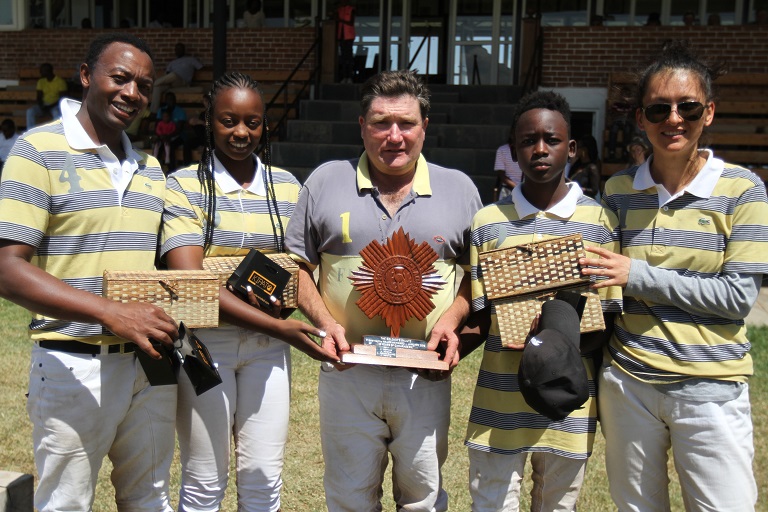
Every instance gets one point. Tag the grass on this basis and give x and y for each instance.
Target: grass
(303, 490)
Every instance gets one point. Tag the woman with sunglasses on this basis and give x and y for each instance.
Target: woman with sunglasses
(250, 203)
(694, 244)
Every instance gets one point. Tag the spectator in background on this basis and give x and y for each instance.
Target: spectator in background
(639, 150)
(654, 20)
(194, 137)
(8, 135)
(179, 119)
(586, 169)
(761, 17)
(689, 19)
(620, 114)
(254, 15)
(179, 73)
(713, 20)
(345, 35)
(508, 173)
(50, 89)
(137, 130)
(86, 23)
(164, 129)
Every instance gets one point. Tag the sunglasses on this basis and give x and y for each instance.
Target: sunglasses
(688, 110)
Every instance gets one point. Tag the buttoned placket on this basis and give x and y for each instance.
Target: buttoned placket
(660, 233)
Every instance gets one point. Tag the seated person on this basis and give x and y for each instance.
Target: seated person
(138, 130)
(164, 129)
(179, 73)
(179, 118)
(50, 89)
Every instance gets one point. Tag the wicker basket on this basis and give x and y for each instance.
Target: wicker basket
(223, 266)
(191, 296)
(515, 315)
(533, 267)
(519, 279)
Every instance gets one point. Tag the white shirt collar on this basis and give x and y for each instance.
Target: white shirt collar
(564, 209)
(228, 184)
(702, 184)
(78, 139)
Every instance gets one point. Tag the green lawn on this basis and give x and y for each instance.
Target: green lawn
(304, 464)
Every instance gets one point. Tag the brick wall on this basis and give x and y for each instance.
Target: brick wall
(270, 48)
(583, 56)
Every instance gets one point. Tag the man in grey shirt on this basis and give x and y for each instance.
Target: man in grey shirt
(179, 73)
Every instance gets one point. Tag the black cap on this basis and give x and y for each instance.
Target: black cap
(552, 377)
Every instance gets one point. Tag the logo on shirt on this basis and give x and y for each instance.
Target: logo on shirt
(438, 239)
(704, 221)
(69, 175)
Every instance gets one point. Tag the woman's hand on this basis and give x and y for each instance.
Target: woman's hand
(273, 309)
(613, 266)
(297, 334)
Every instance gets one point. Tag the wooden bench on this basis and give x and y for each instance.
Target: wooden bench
(739, 132)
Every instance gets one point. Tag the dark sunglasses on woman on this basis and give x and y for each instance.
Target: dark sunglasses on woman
(688, 110)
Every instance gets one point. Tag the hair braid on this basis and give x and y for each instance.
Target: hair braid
(269, 185)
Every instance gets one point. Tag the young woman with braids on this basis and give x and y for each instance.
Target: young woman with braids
(694, 247)
(249, 203)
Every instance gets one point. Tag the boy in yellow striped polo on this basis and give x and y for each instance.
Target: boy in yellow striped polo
(503, 429)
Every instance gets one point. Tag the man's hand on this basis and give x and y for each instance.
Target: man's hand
(445, 340)
(139, 323)
(335, 341)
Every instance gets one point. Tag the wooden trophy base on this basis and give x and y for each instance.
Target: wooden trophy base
(390, 351)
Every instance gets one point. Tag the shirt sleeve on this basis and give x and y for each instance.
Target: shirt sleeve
(728, 296)
(300, 241)
(182, 221)
(25, 195)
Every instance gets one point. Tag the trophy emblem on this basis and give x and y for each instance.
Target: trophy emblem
(396, 282)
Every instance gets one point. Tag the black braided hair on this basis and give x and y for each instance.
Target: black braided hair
(205, 169)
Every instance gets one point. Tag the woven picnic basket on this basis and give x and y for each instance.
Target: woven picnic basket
(223, 266)
(519, 279)
(191, 296)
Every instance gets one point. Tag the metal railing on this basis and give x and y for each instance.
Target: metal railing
(289, 104)
(533, 74)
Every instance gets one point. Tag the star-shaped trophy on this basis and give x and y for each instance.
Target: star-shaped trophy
(396, 282)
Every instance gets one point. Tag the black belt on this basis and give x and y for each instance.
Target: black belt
(78, 347)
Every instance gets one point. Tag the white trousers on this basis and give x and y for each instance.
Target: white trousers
(711, 444)
(84, 408)
(251, 405)
(369, 410)
(495, 480)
